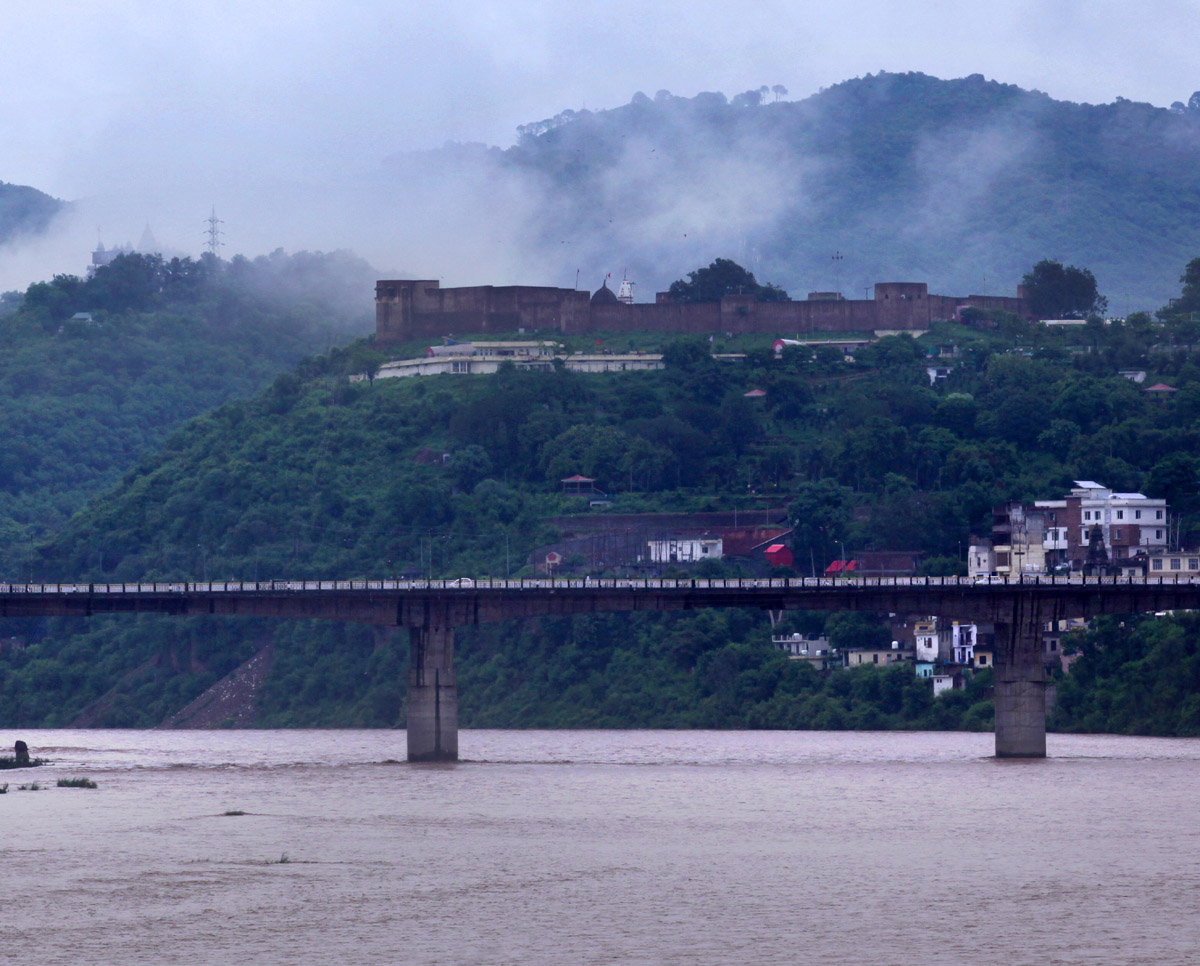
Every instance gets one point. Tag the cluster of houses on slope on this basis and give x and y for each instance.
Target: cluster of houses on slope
(1093, 530)
(944, 652)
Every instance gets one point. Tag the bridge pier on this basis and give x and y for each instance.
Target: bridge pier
(432, 716)
(1020, 693)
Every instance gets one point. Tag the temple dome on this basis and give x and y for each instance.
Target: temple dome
(605, 295)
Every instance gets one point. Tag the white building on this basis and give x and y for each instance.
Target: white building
(805, 647)
(981, 558)
(481, 358)
(1128, 523)
(960, 640)
(1053, 534)
(925, 634)
(684, 549)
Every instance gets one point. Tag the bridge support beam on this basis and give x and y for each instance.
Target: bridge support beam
(1020, 693)
(432, 717)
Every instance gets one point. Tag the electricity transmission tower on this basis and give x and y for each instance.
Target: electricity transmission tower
(214, 232)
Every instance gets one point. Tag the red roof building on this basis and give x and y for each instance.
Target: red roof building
(778, 555)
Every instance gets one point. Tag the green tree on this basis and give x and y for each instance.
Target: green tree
(687, 355)
(723, 277)
(1058, 292)
(1177, 478)
(1186, 307)
(820, 516)
(854, 630)
(1189, 298)
(472, 465)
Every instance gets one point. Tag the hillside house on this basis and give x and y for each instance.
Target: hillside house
(948, 680)
(681, 548)
(895, 654)
(926, 641)
(1173, 562)
(813, 648)
(778, 555)
(1092, 526)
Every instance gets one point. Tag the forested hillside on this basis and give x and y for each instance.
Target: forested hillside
(319, 476)
(961, 183)
(24, 211)
(96, 373)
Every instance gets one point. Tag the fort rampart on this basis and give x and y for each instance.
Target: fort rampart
(418, 309)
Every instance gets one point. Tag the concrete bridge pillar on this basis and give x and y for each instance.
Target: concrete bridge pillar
(432, 717)
(1020, 695)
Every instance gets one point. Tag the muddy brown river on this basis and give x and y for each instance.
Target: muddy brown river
(582, 847)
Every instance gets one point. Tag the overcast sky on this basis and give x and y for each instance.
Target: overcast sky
(150, 112)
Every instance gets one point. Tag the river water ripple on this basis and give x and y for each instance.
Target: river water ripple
(582, 847)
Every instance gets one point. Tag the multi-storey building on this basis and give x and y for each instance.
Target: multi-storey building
(1129, 523)
(1091, 522)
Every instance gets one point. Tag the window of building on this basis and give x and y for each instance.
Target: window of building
(1156, 565)
(1053, 644)
(1137, 514)
(1193, 563)
(1158, 514)
(1120, 514)
(1158, 535)
(1116, 534)
(1176, 563)
(1083, 535)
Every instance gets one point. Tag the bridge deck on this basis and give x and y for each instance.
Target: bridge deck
(422, 602)
(597, 583)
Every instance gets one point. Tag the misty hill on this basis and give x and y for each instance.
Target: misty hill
(97, 372)
(25, 210)
(317, 476)
(962, 183)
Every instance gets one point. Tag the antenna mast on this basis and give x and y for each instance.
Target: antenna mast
(214, 233)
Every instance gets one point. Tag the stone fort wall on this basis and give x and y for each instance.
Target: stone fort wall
(418, 309)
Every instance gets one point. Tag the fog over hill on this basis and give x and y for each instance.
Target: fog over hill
(962, 183)
(24, 211)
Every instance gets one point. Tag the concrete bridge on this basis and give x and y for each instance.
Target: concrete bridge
(432, 609)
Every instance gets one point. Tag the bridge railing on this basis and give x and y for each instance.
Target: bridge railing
(471, 585)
